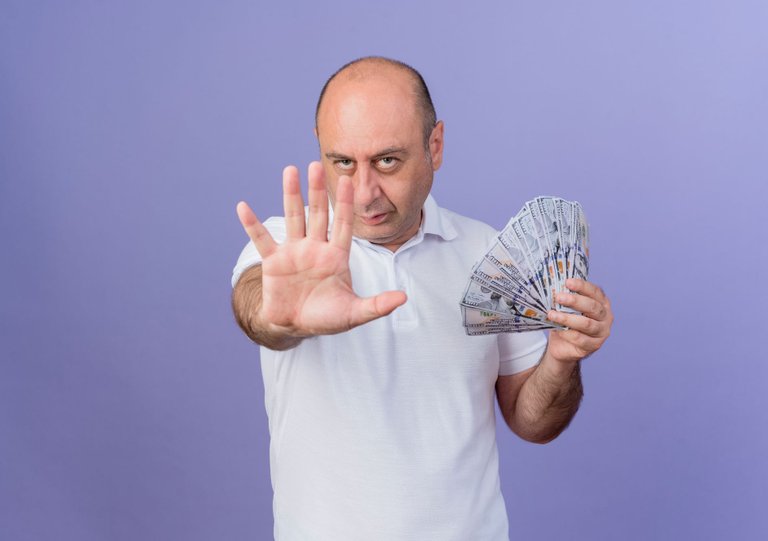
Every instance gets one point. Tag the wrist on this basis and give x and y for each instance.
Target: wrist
(556, 368)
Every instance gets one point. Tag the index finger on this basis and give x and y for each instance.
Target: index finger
(588, 289)
(317, 226)
(258, 234)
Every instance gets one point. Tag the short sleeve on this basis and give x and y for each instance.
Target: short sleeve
(250, 255)
(520, 351)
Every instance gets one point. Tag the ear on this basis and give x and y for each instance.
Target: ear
(436, 145)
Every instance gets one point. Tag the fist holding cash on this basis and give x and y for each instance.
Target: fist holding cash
(534, 276)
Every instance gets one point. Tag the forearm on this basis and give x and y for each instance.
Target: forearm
(246, 304)
(548, 400)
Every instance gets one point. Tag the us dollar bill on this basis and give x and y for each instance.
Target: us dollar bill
(581, 260)
(484, 322)
(512, 288)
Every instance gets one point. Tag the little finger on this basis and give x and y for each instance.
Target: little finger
(258, 234)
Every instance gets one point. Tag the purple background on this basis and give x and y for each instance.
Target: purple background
(131, 407)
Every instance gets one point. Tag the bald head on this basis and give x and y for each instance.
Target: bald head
(377, 67)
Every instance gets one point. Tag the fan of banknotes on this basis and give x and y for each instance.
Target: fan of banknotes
(512, 288)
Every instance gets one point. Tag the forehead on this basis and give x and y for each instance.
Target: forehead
(363, 114)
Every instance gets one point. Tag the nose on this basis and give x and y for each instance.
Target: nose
(367, 186)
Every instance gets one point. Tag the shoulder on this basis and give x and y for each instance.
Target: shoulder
(465, 238)
(469, 226)
(462, 229)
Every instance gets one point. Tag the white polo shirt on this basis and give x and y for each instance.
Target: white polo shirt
(387, 432)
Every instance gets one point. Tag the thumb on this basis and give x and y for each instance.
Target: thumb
(370, 308)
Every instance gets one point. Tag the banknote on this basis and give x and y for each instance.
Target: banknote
(510, 259)
(547, 207)
(545, 231)
(565, 221)
(513, 287)
(493, 277)
(522, 250)
(480, 296)
(485, 322)
(525, 231)
(581, 256)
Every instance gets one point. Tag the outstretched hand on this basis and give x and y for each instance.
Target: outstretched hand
(306, 282)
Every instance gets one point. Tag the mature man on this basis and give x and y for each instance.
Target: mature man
(381, 408)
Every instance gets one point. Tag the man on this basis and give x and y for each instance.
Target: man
(381, 408)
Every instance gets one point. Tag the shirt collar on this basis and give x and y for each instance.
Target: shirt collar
(436, 221)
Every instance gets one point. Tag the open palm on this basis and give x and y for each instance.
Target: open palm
(306, 282)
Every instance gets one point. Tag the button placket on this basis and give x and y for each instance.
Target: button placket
(405, 315)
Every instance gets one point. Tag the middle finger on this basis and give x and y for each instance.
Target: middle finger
(293, 204)
(586, 305)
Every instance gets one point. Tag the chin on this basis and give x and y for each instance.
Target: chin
(378, 234)
(370, 234)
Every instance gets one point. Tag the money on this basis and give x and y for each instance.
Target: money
(513, 286)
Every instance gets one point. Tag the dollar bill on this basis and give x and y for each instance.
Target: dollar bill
(510, 259)
(479, 295)
(512, 288)
(524, 230)
(581, 257)
(484, 322)
(542, 210)
(565, 218)
(563, 212)
(506, 278)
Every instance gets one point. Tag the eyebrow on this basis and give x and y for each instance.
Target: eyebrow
(385, 152)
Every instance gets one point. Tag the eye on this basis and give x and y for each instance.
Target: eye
(344, 164)
(387, 162)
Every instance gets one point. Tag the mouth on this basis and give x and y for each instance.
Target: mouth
(375, 219)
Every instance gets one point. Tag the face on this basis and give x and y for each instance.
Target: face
(371, 131)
